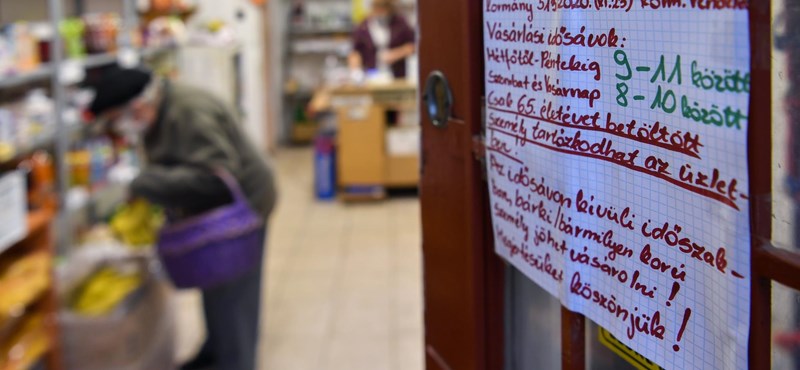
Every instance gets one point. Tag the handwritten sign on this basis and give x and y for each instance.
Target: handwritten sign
(617, 166)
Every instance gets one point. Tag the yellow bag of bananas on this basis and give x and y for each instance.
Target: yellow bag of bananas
(137, 223)
(103, 291)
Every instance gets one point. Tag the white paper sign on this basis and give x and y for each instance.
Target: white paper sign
(617, 166)
(13, 209)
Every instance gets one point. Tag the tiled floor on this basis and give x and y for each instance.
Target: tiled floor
(343, 282)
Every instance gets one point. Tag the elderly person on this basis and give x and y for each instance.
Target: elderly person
(187, 133)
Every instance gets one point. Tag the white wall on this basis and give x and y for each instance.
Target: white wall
(249, 29)
(278, 13)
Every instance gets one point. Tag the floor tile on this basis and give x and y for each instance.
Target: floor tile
(343, 287)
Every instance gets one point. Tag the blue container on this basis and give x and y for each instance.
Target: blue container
(324, 167)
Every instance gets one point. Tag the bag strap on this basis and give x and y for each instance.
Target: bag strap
(232, 184)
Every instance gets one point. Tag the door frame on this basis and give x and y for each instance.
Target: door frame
(464, 278)
(461, 39)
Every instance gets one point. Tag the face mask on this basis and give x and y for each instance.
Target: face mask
(128, 125)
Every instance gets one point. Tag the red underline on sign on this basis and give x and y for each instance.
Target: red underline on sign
(601, 129)
(704, 192)
(509, 156)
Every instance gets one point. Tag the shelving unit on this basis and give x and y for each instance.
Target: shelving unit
(43, 72)
(311, 32)
(45, 302)
(306, 67)
(46, 71)
(49, 230)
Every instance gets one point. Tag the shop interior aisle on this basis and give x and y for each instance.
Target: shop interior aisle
(343, 282)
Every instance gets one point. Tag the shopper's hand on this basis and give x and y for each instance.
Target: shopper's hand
(389, 56)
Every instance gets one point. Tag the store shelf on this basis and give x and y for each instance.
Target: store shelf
(38, 220)
(9, 324)
(308, 32)
(40, 141)
(150, 52)
(299, 94)
(46, 71)
(43, 72)
(98, 60)
(321, 53)
(36, 349)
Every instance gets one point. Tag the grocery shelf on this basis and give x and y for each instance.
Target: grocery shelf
(307, 32)
(41, 73)
(8, 324)
(150, 52)
(98, 60)
(46, 71)
(300, 94)
(40, 141)
(38, 220)
(321, 53)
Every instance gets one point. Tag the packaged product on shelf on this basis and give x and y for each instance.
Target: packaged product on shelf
(43, 177)
(101, 32)
(79, 164)
(36, 116)
(101, 159)
(7, 133)
(28, 343)
(90, 162)
(22, 282)
(72, 31)
(7, 55)
(26, 48)
(43, 34)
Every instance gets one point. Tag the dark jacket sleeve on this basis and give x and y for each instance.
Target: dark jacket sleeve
(191, 183)
(362, 44)
(403, 33)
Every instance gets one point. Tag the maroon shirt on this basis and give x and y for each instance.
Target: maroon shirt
(400, 34)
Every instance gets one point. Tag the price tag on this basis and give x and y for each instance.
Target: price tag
(13, 209)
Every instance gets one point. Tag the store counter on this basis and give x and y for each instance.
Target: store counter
(378, 140)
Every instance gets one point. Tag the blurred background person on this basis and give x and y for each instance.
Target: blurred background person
(187, 134)
(383, 41)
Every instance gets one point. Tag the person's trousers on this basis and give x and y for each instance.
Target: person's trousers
(232, 321)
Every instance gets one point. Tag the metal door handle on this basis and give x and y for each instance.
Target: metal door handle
(438, 99)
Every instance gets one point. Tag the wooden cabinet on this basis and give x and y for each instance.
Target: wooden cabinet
(367, 116)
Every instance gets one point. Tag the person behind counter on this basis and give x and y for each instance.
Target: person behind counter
(383, 41)
(188, 132)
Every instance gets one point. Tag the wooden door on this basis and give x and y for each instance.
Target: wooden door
(463, 277)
